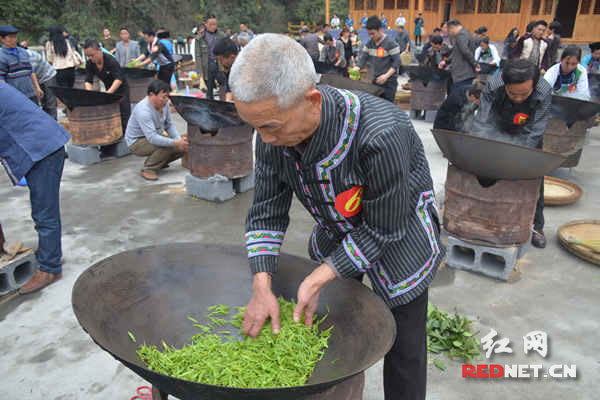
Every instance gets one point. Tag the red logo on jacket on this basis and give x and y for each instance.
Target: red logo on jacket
(349, 203)
(520, 119)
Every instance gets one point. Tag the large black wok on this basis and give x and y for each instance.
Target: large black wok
(138, 73)
(494, 159)
(209, 115)
(82, 98)
(572, 110)
(340, 82)
(152, 291)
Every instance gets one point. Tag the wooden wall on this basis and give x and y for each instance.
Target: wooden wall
(587, 27)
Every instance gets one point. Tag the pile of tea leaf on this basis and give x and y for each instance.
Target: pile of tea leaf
(217, 356)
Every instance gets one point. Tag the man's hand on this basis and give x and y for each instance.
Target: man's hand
(262, 306)
(182, 144)
(478, 68)
(308, 293)
(442, 64)
(381, 79)
(39, 93)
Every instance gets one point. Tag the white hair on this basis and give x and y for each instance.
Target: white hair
(272, 65)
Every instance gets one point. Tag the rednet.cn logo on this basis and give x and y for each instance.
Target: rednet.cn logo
(533, 341)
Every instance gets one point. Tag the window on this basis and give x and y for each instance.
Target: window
(535, 7)
(403, 4)
(371, 4)
(597, 7)
(416, 4)
(465, 6)
(585, 6)
(488, 6)
(359, 4)
(510, 6)
(389, 4)
(548, 8)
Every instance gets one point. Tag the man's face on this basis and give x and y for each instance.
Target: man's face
(453, 30)
(283, 127)
(326, 29)
(400, 29)
(94, 55)
(375, 34)
(149, 39)
(106, 33)
(519, 92)
(226, 61)
(124, 34)
(66, 34)
(243, 27)
(211, 25)
(9, 41)
(538, 31)
(329, 43)
(484, 46)
(160, 100)
(596, 54)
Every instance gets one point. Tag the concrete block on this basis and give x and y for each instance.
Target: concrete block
(17, 272)
(495, 262)
(216, 188)
(84, 155)
(430, 116)
(562, 173)
(118, 149)
(242, 185)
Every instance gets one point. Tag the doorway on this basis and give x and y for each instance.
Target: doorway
(447, 10)
(566, 12)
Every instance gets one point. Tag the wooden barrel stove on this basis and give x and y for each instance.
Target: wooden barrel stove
(427, 97)
(138, 81)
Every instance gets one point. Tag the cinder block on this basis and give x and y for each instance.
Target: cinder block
(495, 262)
(242, 185)
(216, 188)
(84, 155)
(118, 149)
(17, 272)
(430, 116)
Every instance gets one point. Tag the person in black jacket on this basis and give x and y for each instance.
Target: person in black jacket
(457, 111)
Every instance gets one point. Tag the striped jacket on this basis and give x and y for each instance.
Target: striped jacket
(15, 69)
(365, 180)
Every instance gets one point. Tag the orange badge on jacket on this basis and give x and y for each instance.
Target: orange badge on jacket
(520, 119)
(349, 203)
(380, 52)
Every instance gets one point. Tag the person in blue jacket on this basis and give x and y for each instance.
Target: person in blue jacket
(32, 146)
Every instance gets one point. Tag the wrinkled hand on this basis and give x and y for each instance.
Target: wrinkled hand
(262, 306)
(308, 293)
(182, 144)
(381, 79)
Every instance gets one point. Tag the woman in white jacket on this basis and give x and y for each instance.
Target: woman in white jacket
(568, 78)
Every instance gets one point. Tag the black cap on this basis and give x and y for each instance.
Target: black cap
(595, 46)
(7, 30)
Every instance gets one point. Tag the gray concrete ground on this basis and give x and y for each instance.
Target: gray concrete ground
(108, 208)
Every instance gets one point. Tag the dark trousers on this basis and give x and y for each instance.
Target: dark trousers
(49, 99)
(405, 366)
(538, 220)
(390, 87)
(65, 77)
(165, 73)
(43, 180)
(418, 40)
(461, 84)
(210, 79)
(125, 108)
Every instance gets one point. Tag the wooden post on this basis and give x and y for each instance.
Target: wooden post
(326, 11)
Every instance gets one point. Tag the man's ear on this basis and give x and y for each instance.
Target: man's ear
(314, 97)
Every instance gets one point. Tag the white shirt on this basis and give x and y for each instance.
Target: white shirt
(582, 89)
(335, 22)
(400, 21)
(495, 55)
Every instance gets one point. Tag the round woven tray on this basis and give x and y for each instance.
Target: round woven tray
(582, 230)
(558, 192)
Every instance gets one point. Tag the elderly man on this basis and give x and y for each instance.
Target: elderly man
(515, 108)
(357, 165)
(15, 67)
(383, 55)
(108, 70)
(144, 137)
(32, 146)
